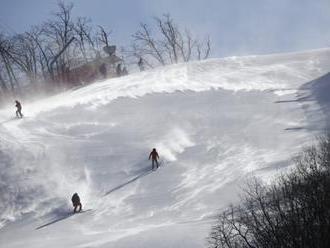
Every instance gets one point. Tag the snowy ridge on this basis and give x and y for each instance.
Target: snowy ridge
(280, 72)
(214, 123)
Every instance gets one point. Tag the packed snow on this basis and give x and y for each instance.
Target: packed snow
(215, 124)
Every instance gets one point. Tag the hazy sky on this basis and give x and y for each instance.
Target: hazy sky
(236, 27)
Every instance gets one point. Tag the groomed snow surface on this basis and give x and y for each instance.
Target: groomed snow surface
(214, 123)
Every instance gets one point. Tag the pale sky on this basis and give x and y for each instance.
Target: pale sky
(236, 27)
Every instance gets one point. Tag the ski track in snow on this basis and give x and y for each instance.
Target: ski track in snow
(215, 123)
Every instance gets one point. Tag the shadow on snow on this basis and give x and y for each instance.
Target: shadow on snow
(129, 182)
(61, 218)
(68, 215)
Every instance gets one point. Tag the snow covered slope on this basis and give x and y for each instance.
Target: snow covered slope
(215, 123)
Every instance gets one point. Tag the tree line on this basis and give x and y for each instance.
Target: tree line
(292, 212)
(40, 58)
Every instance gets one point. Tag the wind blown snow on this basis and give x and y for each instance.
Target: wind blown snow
(214, 123)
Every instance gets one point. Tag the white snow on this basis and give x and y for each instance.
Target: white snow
(215, 124)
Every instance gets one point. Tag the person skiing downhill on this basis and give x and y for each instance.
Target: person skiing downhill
(154, 156)
(19, 109)
(76, 202)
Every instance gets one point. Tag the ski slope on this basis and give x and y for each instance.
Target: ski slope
(214, 123)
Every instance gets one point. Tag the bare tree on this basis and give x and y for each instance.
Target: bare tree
(203, 49)
(25, 55)
(51, 53)
(292, 212)
(3, 84)
(44, 52)
(168, 44)
(60, 31)
(147, 46)
(6, 61)
(85, 37)
(103, 36)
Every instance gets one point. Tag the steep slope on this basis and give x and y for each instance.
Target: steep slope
(215, 123)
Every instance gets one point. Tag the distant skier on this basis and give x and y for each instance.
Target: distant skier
(124, 72)
(141, 64)
(154, 156)
(19, 109)
(118, 70)
(103, 70)
(76, 202)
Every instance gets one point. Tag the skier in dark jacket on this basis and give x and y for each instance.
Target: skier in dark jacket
(19, 109)
(141, 64)
(124, 71)
(154, 156)
(76, 202)
(103, 70)
(118, 70)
